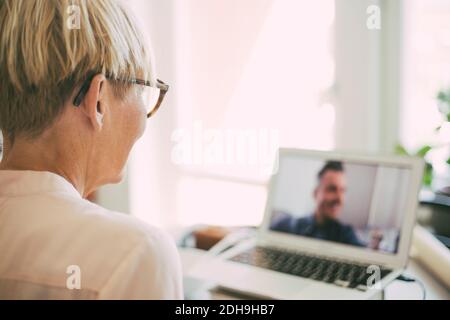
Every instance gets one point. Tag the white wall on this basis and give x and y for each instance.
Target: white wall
(152, 175)
(295, 184)
(360, 185)
(389, 197)
(367, 89)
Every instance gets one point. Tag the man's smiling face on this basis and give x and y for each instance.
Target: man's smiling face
(329, 195)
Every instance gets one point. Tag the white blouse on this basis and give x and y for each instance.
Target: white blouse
(56, 245)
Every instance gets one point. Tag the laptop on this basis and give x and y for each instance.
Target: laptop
(336, 226)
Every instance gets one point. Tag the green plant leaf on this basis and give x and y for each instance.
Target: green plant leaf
(400, 150)
(448, 161)
(444, 96)
(428, 175)
(422, 152)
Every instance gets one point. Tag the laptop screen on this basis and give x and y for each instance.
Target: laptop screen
(356, 204)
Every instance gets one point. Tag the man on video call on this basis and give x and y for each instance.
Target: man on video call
(324, 223)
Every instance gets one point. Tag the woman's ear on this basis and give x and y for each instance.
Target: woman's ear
(94, 103)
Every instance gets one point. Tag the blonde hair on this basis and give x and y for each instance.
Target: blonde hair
(43, 60)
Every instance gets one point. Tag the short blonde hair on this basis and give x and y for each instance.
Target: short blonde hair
(43, 60)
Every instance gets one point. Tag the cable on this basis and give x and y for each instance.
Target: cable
(409, 279)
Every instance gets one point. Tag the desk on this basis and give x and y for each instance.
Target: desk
(397, 290)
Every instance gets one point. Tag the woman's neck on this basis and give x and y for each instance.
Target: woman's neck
(39, 155)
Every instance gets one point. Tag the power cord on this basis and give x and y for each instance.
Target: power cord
(409, 279)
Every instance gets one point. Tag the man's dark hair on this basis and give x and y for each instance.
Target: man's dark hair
(330, 166)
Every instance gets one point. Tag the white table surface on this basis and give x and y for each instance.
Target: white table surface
(397, 290)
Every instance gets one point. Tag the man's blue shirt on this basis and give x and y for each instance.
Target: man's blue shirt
(331, 230)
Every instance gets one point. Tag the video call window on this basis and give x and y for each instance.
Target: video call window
(349, 203)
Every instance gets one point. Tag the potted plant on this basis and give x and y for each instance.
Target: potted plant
(434, 200)
(443, 98)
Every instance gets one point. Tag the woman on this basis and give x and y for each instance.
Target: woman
(73, 101)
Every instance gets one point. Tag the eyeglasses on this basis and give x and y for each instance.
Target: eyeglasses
(152, 96)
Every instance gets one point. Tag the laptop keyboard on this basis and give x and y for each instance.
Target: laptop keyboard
(341, 273)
